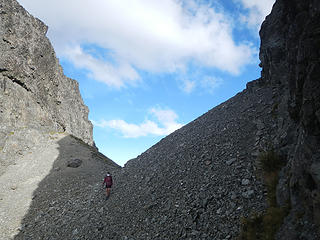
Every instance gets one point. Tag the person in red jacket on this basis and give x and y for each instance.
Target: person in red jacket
(108, 181)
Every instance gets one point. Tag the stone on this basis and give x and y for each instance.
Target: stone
(245, 182)
(74, 163)
(207, 162)
(315, 172)
(219, 211)
(247, 194)
(75, 232)
(260, 125)
(230, 161)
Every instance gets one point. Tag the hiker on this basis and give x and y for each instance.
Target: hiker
(108, 181)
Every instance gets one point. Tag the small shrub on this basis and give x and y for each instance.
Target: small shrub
(252, 227)
(53, 133)
(273, 220)
(299, 214)
(271, 180)
(264, 226)
(270, 161)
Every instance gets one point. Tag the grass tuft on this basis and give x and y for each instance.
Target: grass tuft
(270, 161)
(264, 226)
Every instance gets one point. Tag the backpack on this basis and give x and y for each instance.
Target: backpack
(108, 180)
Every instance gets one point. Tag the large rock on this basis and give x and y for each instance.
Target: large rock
(35, 96)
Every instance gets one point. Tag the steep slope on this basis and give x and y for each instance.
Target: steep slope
(35, 96)
(194, 184)
(199, 181)
(45, 184)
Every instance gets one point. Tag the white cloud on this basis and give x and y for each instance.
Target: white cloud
(151, 35)
(115, 76)
(211, 83)
(201, 82)
(167, 118)
(188, 86)
(258, 10)
(164, 124)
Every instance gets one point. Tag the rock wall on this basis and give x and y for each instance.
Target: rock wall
(290, 60)
(35, 95)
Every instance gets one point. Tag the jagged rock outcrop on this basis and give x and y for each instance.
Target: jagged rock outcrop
(35, 96)
(290, 60)
(199, 182)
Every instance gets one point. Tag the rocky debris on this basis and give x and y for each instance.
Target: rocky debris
(35, 96)
(41, 190)
(176, 194)
(194, 184)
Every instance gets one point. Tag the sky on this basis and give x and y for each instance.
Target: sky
(148, 67)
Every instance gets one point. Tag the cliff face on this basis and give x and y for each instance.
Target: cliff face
(35, 96)
(290, 60)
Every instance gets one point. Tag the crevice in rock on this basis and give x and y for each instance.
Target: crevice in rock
(6, 41)
(3, 70)
(3, 85)
(310, 183)
(22, 84)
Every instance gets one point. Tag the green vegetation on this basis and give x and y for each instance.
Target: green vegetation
(11, 133)
(264, 226)
(53, 133)
(270, 161)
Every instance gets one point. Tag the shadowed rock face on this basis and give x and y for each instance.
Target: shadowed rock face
(289, 56)
(290, 59)
(35, 96)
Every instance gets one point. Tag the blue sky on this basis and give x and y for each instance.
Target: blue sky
(148, 67)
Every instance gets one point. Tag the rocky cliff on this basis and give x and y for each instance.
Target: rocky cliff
(35, 96)
(290, 60)
(207, 180)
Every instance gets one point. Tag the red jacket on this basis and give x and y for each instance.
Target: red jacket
(108, 180)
